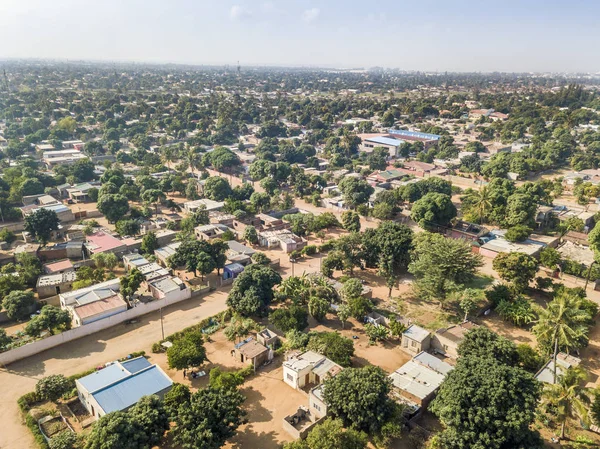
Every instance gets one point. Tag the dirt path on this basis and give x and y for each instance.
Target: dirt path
(85, 353)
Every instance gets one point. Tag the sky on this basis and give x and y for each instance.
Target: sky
(429, 35)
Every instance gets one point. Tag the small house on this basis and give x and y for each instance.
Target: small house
(55, 284)
(563, 363)
(415, 339)
(446, 340)
(252, 352)
(232, 270)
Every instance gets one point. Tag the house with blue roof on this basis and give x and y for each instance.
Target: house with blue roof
(121, 385)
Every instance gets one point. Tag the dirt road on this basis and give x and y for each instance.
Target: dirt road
(85, 353)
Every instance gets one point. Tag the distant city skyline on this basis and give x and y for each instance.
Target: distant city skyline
(429, 35)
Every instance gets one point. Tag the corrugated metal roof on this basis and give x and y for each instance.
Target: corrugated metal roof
(104, 377)
(125, 393)
(136, 365)
(386, 141)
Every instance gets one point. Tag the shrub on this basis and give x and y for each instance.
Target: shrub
(498, 293)
(287, 319)
(376, 333)
(28, 401)
(53, 387)
(310, 250)
(327, 246)
(518, 311)
(296, 339)
(32, 424)
(7, 236)
(64, 440)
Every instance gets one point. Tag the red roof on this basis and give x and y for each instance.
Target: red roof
(61, 265)
(101, 242)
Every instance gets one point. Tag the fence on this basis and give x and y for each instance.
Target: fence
(82, 331)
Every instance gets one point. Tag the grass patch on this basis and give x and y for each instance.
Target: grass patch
(480, 282)
(442, 319)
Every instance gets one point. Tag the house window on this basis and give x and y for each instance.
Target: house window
(445, 347)
(316, 407)
(290, 377)
(413, 344)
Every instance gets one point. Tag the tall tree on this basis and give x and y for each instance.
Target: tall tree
(41, 223)
(562, 325)
(568, 398)
(209, 419)
(517, 268)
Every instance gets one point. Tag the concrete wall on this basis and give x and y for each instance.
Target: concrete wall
(55, 340)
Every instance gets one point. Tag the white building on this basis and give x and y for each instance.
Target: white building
(169, 288)
(93, 303)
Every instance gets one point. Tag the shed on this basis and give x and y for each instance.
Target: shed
(252, 352)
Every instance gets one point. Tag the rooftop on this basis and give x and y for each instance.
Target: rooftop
(563, 363)
(250, 348)
(420, 376)
(99, 306)
(60, 265)
(416, 333)
(101, 242)
(456, 333)
(56, 279)
(121, 385)
(385, 141)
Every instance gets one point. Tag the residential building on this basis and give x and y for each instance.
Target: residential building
(446, 340)
(93, 303)
(55, 284)
(415, 339)
(63, 213)
(308, 368)
(427, 139)
(466, 231)
(102, 242)
(418, 380)
(121, 385)
(252, 352)
(62, 157)
(205, 203)
(211, 231)
(169, 288)
(162, 254)
(232, 270)
(284, 239)
(60, 266)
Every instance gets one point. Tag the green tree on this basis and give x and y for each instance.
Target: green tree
(318, 307)
(216, 188)
(131, 282)
(518, 233)
(360, 397)
(330, 434)
(206, 264)
(153, 196)
(289, 318)
(211, 417)
(441, 265)
(52, 387)
(224, 379)
(250, 235)
(549, 257)
(150, 415)
(187, 351)
(433, 210)
(41, 223)
(344, 313)
(105, 261)
(332, 345)
(127, 227)
(49, 319)
(18, 304)
(178, 395)
(116, 430)
(520, 210)
(355, 191)
(351, 221)
(562, 325)
(500, 418)
(252, 290)
(517, 268)
(113, 206)
(149, 243)
(568, 398)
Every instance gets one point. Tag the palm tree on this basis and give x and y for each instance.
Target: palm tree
(482, 204)
(192, 158)
(562, 324)
(568, 398)
(168, 155)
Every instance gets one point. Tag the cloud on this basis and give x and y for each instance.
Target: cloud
(310, 15)
(238, 12)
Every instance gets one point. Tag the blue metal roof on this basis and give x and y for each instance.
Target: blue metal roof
(125, 393)
(403, 132)
(136, 365)
(385, 141)
(100, 379)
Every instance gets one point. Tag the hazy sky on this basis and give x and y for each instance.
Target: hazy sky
(453, 35)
